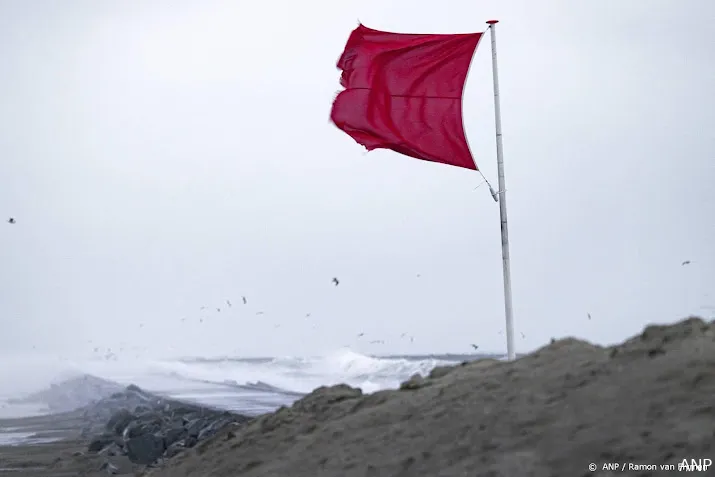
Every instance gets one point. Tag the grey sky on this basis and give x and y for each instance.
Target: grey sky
(162, 156)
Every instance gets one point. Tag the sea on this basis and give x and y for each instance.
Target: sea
(249, 386)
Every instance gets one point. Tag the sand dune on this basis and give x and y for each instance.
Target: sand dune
(647, 401)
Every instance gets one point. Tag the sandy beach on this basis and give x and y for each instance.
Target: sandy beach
(646, 402)
(57, 449)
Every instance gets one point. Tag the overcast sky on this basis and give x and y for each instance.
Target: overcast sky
(167, 155)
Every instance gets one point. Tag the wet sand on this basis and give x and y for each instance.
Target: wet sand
(63, 456)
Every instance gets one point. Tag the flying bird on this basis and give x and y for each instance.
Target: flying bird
(475, 346)
(228, 302)
(336, 281)
(377, 342)
(11, 220)
(361, 334)
(687, 262)
(307, 315)
(244, 299)
(589, 315)
(218, 309)
(259, 313)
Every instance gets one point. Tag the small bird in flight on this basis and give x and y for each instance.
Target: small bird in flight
(336, 281)
(307, 315)
(361, 334)
(589, 315)
(11, 220)
(244, 299)
(475, 346)
(218, 309)
(259, 313)
(228, 302)
(687, 262)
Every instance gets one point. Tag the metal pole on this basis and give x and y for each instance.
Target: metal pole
(511, 354)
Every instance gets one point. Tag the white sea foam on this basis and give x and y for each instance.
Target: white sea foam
(246, 384)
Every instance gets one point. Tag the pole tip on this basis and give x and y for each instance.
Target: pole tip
(492, 22)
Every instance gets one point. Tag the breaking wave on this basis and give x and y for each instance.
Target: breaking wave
(288, 374)
(230, 382)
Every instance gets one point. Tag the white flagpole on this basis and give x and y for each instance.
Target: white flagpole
(511, 354)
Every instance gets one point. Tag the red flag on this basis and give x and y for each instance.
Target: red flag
(404, 92)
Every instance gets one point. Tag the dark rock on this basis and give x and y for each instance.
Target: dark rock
(145, 449)
(100, 442)
(119, 421)
(147, 428)
(174, 449)
(113, 449)
(174, 434)
(194, 427)
(110, 468)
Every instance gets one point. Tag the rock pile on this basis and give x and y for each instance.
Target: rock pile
(148, 428)
(648, 401)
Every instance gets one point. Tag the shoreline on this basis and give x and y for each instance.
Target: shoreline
(40, 459)
(552, 412)
(121, 434)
